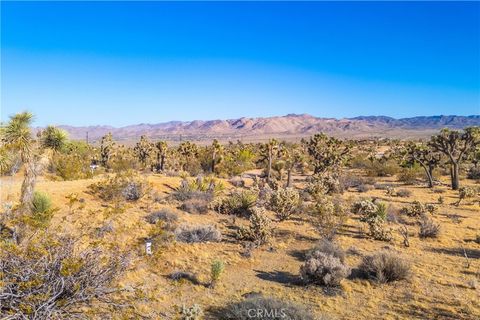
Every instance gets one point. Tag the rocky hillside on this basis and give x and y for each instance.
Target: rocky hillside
(291, 125)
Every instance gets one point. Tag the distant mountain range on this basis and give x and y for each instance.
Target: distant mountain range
(291, 126)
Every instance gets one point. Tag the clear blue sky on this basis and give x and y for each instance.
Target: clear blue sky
(86, 63)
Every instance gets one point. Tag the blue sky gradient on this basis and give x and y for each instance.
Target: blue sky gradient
(87, 63)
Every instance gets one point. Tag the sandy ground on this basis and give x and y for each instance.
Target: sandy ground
(444, 284)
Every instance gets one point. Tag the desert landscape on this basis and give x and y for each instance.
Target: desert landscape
(324, 228)
(239, 160)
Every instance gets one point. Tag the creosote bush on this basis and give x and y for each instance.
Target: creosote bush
(259, 230)
(324, 269)
(328, 215)
(203, 233)
(428, 228)
(46, 278)
(41, 202)
(284, 202)
(259, 307)
(385, 266)
(126, 185)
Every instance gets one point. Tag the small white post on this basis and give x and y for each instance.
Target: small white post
(148, 247)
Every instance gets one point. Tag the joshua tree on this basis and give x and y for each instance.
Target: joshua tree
(187, 150)
(456, 145)
(161, 149)
(142, 150)
(294, 159)
(217, 154)
(53, 138)
(423, 155)
(106, 149)
(17, 135)
(268, 153)
(475, 156)
(328, 153)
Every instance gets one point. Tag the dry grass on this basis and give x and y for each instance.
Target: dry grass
(437, 287)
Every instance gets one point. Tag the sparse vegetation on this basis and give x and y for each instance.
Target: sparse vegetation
(192, 234)
(385, 266)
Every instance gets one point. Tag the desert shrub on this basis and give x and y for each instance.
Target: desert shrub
(169, 217)
(196, 206)
(284, 202)
(385, 266)
(46, 278)
(197, 188)
(41, 202)
(428, 228)
(203, 233)
(324, 269)
(364, 188)
(193, 312)
(127, 186)
(417, 208)
(382, 168)
(259, 229)
(409, 175)
(216, 270)
(101, 231)
(259, 307)
(377, 229)
(364, 207)
(239, 203)
(404, 193)
(354, 181)
(477, 239)
(328, 215)
(71, 166)
(327, 247)
(473, 173)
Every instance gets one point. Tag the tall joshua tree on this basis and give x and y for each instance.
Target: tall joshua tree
(161, 149)
(217, 154)
(106, 149)
(423, 155)
(268, 152)
(142, 149)
(456, 145)
(328, 153)
(17, 135)
(187, 150)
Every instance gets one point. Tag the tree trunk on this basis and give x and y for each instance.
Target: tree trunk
(162, 162)
(28, 186)
(455, 176)
(428, 173)
(269, 165)
(289, 178)
(213, 162)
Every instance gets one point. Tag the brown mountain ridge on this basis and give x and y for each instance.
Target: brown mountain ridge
(291, 126)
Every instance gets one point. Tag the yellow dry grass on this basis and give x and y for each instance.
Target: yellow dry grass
(442, 285)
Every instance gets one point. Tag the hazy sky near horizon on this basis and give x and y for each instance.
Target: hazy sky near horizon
(120, 63)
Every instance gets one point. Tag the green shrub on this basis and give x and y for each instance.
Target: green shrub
(328, 215)
(41, 202)
(410, 175)
(216, 270)
(239, 203)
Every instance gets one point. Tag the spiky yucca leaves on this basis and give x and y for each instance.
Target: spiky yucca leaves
(456, 145)
(53, 138)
